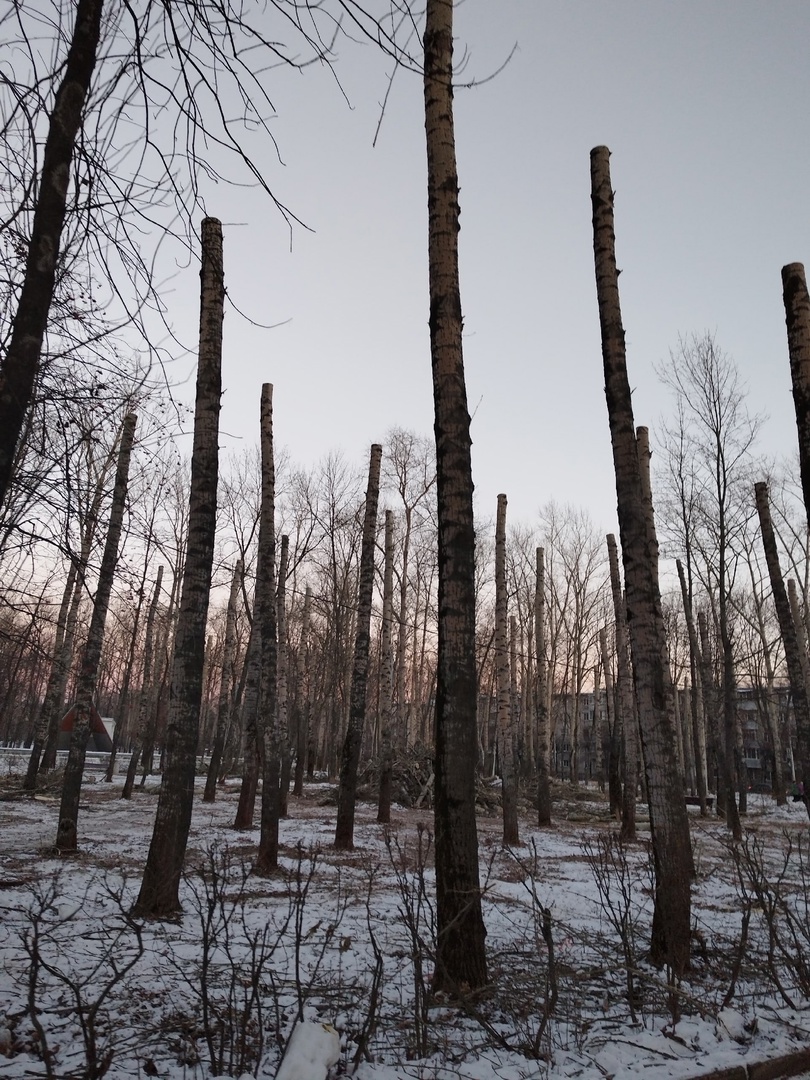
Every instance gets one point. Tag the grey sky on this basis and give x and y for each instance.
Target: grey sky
(704, 106)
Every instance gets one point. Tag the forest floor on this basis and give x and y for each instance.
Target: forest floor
(347, 940)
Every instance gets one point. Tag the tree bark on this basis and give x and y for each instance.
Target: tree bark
(541, 696)
(625, 726)
(350, 758)
(506, 735)
(669, 824)
(21, 363)
(282, 703)
(797, 320)
(460, 952)
(159, 893)
(66, 835)
(302, 698)
(696, 697)
(266, 612)
(793, 659)
(386, 676)
(612, 738)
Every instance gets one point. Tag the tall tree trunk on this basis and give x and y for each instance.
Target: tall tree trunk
(613, 736)
(266, 613)
(302, 698)
(460, 952)
(625, 724)
(506, 732)
(282, 704)
(20, 365)
(696, 702)
(66, 834)
(798, 687)
(250, 735)
(225, 701)
(541, 696)
(350, 758)
(159, 894)
(797, 320)
(386, 676)
(669, 825)
(146, 697)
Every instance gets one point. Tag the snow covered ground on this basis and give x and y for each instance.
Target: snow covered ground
(341, 944)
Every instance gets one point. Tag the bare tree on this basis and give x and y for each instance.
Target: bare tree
(668, 821)
(350, 757)
(793, 657)
(66, 836)
(225, 702)
(506, 738)
(266, 615)
(158, 895)
(541, 695)
(386, 676)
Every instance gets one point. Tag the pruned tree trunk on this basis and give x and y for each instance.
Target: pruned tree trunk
(612, 738)
(266, 613)
(20, 365)
(541, 696)
(66, 834)
(625, 724)
(460, 953)
(350, 758)
(797, 320)
(283, 715)
(669, 825)
(695, 667)
(225, 700)
(506, 734)
(386, 675)
(302, 698)
(793, 659)
(159, 893)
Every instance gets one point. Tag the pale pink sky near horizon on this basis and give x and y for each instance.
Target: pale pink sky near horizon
(704, 108)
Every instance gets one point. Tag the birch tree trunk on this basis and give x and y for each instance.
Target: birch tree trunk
(350, 757)
(159, 893)
(266, 614)
(146, 697)
(505, 717)
(386, 675)
(460, 953)
(793, 659)
(669, 825)
(66, 834)
(20, 365)
(225, 699)
(541, 696)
